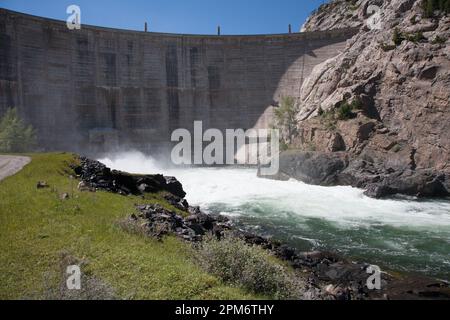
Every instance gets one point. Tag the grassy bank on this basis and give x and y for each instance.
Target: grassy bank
(36, 226)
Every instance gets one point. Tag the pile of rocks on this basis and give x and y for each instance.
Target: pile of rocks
(157, 222)
(95, 175)
(329, 276)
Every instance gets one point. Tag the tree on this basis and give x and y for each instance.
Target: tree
(285, 119)
(15, 135)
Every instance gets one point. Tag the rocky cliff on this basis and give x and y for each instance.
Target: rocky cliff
(381, 108)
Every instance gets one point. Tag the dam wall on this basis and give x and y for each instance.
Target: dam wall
(97, 89)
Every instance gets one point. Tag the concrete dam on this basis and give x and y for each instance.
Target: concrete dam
(98, 89)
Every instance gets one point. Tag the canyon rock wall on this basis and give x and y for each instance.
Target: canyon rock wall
(97, 89)
(384, 101)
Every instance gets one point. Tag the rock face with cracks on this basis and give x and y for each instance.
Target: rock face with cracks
(384, 102)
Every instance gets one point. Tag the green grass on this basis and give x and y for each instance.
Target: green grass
(36, 226)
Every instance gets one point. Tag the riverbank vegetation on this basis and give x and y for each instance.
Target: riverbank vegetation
(251, 267)
(42, 228)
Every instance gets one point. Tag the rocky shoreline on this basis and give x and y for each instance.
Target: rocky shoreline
(95, 175)
(328, 275)
(338, 168)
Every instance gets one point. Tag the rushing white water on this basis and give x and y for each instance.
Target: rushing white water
(321, 216)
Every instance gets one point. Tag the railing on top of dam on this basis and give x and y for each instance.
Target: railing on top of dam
(304, 35)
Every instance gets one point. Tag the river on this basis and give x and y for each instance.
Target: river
(401, 234)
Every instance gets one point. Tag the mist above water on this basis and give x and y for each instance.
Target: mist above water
(399, 233)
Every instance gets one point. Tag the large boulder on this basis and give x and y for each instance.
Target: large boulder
(312, 167)
(418, 184)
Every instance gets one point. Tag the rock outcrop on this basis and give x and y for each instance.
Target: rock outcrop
(384, 101)
(95, 175)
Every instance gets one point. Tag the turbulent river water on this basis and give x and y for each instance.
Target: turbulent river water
(397, 234)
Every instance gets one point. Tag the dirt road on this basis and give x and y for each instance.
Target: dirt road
(10, 165)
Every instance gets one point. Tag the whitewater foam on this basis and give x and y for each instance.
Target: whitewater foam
(236, 188)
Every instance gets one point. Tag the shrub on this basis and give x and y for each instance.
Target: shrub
(387, 47)
(415, 37)
(439, 40)
(15, 136)
(356, 104)
(345, 109)
(397, 37)
(251, 267)
(285, 119)
(320, 111)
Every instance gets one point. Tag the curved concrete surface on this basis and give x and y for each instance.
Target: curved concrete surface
(101, 88)
(10, 165)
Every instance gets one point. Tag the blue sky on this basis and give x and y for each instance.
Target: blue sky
(179, 16)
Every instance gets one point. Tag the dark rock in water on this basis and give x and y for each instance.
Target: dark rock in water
(96, 175)
(312, 167)
(417, 183)
(379, 178)
(378, 191)
(175, 187)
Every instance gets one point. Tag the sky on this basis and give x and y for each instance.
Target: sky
(179, 16)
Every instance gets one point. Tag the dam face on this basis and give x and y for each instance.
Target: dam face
(97, 89)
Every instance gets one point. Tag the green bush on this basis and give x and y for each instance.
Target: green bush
(439, 40)
(345, 109)
(415, 37)
(250, 267)
(285, 119)
(397, 37)
(344, 112)
(15, 135)
(387, 47)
